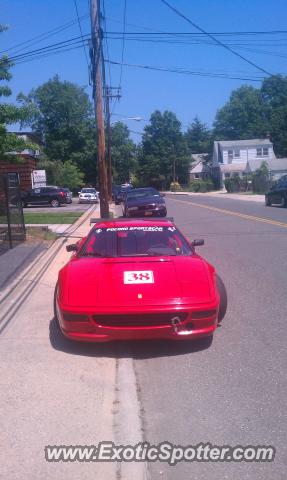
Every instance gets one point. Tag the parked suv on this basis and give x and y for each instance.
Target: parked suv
(278, 193)
(49, 195)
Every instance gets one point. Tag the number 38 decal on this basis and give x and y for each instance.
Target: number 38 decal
(138, 276)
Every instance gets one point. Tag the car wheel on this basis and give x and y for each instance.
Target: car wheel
(223, 298)
(163, 214)
(55, 203)
(267, 201)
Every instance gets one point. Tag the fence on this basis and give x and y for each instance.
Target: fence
(12, 226)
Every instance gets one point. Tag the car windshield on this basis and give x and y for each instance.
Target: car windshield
(135, 241)
(149, 192)
(88, 190)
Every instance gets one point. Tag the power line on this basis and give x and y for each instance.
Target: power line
(177, 12)
(189, 72)
(43, 36)
(227, 33)
(123, 44)
(80, 27)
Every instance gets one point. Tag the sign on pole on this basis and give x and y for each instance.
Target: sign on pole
(39, 178)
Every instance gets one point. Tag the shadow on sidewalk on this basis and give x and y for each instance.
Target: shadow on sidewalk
(140, 349)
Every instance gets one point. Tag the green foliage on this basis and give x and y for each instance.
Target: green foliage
(123, 151)
(175, 187)
(61, 113)
(198, 137)
(164, 154)
(64, 174)
(201, 186)
(260, 179)
(242, 117)
(9, 114)
(274, 95)
(233, 184)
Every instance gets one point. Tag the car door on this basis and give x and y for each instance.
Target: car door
(279, 191)
(34, 196)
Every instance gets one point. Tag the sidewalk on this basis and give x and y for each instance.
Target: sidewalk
(55, 227)
(223, 194)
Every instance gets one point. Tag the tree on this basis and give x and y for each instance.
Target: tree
(164, 155)
(198, 137)
(242, 117)
(124, 161)
(61, 113)
(274, 95)
(9, 114)
(62, 173)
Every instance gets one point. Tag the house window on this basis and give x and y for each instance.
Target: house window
(236, 153)
(230, 154)
(227, 175)
(196, 175)
(259, 152)
(265, 151)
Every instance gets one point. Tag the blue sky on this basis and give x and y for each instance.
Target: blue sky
(144, 91)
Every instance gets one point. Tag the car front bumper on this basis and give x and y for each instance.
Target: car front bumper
(90, 331)
(149, 212)
(88, 200)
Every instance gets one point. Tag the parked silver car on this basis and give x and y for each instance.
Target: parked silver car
(88, 195)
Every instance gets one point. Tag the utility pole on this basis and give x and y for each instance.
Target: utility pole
(96, 55)
(108, 97)
(109, 141)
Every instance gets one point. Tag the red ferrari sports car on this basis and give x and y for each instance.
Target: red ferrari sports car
(137, 279)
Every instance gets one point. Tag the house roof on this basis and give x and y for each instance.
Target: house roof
(199, 166)
(254, 142)
(274, 164)
(232, 167)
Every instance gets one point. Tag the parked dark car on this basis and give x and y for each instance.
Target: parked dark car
(115, 191)
(143, 202)
(69, 195)
(121, 193)
(278, 193)
(49, 195)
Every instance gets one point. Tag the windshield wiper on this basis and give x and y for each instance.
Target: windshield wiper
(95, 254)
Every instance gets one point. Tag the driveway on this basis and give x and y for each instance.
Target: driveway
(75, 206)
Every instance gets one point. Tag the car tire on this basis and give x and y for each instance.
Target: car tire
(223, 298)
(163, 214)
(55, 309)
(267, 201)
(55, 203)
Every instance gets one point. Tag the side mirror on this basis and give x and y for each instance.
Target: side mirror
(72, 248)
(197, 243)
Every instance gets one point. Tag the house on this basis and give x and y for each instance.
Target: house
(234, 156)
(26, 161)
(198, 169)
(277, 167)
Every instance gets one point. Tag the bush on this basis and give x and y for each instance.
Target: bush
(233, 184)
(175, 187)
(201, 186)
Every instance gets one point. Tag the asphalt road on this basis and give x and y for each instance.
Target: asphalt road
(75, 206)
(54, 392)
(233, 392)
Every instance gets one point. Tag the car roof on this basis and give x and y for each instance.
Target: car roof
(132, 222)
(144, 189)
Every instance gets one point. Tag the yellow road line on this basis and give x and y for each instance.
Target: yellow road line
(235, 214)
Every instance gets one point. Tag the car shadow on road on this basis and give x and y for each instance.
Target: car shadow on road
(140, 349)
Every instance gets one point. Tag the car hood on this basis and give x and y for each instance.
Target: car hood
(100, 282)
